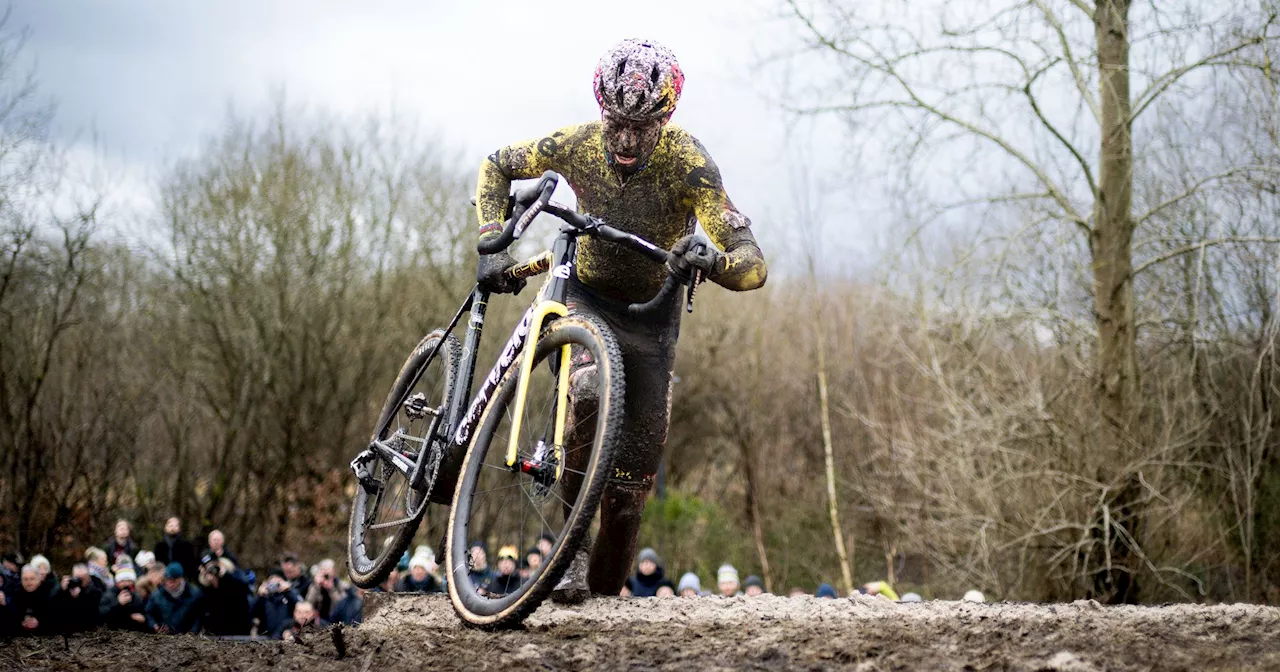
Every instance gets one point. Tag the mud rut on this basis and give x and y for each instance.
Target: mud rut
(768, 633)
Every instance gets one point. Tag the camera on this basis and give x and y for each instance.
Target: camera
(75, 582)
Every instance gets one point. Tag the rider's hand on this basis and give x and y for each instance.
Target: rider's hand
(492, 277)
(694, 252)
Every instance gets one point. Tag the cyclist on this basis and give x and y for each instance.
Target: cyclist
(644, 175)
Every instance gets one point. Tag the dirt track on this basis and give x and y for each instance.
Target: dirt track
(416, 633)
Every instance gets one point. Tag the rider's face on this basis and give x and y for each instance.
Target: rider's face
(628, 141)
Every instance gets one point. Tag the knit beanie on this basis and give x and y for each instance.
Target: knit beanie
(689, 580)
(727, 574)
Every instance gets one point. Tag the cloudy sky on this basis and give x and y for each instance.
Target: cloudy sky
(153, 78)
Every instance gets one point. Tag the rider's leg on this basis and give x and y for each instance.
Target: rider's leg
(648, 354)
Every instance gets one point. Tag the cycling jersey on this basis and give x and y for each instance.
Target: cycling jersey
(677, 188)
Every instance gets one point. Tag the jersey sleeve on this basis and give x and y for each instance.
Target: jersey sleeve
(742, 267)
(521, 161)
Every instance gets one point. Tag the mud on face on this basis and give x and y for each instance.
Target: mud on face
(630, 142)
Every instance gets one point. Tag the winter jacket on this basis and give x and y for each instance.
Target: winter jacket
(118, 616)
(226, 606)
(180, 614)
(323, 600)
(130, 548)
(273, 612)
(39, 605)
(77, 610)
(349, 609)
(645, 586)
(406, 584)
(176, 549)
(504, 584)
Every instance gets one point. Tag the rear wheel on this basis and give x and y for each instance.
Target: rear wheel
(386, 508)
(558, 488)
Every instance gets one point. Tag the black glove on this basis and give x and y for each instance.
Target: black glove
(695, 252)
(491, 274)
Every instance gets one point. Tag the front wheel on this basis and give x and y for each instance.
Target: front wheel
(386, 508)
(554, 490)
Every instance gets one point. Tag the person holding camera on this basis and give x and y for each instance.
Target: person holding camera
(121, 607)
(76, 605)
(226, 598)
(324, 592)
(273, 608)
(177, 607)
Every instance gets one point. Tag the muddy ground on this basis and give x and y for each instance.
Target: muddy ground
(766, 633)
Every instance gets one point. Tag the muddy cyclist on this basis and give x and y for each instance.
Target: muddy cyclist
(647, 176)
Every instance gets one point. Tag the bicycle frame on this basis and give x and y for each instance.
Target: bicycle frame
(548, 304)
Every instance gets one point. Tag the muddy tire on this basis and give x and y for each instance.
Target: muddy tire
(372, 554)
(484, 466)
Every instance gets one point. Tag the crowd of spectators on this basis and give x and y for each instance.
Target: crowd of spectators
(172, 589)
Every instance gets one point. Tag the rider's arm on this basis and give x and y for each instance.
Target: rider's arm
(742, 267)
(521, 161)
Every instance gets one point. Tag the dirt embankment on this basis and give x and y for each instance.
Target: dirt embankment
(416, 633)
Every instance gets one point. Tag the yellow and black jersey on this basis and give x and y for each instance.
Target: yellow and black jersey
(677, 188)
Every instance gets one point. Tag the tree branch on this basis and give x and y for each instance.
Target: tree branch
(1230, 240)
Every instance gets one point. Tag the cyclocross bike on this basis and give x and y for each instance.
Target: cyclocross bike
(523, 459)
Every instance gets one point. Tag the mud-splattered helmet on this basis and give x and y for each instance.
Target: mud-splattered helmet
(639, 79)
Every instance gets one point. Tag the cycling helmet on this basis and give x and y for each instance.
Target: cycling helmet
(639, 79)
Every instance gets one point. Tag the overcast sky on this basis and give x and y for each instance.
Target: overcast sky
(155, 77)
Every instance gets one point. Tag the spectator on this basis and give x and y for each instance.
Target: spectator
(689, 586)
(177, 607)
(974, 596)
(121, 562)
(295, 573)
(753, 586)
(274, 606)
(324, 593)
(144, 561)
(532, 561)
(48, 578)
(350, 609)
(727, 580)
(825, 590)
(226, 598)
(98, 569)
(31, 607)
(648, 574)
(911, 597)
(173, 548)
(121, 543)
(145, 588)
(507, 580)
(304, 620)
(796, 591)
(75, 607)
(121, 607)
(545, 542)
(665, 589)
(10, 584)
(420, 579)
(881, 588)
(218, 548)
(479, 565)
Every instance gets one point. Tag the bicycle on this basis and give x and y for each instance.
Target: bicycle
(426, 443)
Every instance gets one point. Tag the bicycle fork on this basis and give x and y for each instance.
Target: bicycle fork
(543, 470)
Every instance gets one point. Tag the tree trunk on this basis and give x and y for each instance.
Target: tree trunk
(1112, 240)
(831, 467)
(753, 512)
